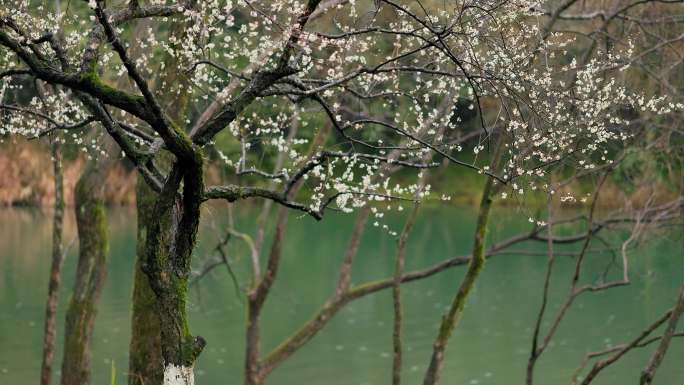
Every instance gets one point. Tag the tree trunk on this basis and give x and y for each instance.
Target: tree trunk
(90, 275)
(55, 268)
(145, 359)
(451, 319)
(145, 365)
(167, 267)
(453, 316)
(179, 348)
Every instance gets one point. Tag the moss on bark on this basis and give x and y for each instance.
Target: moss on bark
(145, 365)
(453, 316)
(90, 276)
(146, 362)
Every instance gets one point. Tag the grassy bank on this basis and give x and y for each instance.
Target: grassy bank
(28, 182)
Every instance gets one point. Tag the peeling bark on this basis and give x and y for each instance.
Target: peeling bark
(178, 375)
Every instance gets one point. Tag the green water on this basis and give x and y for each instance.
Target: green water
(490, 347)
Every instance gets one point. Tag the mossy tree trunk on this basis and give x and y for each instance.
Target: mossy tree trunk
(167, 267)
(90, 275)
(162, 349)
(55, 268)
(145, 360)
(146, 364)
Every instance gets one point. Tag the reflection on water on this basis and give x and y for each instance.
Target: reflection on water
(490, 347)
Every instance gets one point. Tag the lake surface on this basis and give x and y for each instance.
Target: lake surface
(490, 347)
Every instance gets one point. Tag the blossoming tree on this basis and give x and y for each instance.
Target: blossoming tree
(237, 82)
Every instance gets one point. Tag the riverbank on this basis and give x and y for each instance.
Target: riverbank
(28, 177)
(29, 182)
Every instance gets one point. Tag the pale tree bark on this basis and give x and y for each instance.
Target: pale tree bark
(55, 267)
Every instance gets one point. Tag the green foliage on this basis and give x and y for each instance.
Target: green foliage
(638, 166)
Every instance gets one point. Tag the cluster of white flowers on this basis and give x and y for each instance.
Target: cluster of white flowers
(383, 77)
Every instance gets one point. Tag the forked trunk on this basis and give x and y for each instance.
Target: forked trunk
(167, 267)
